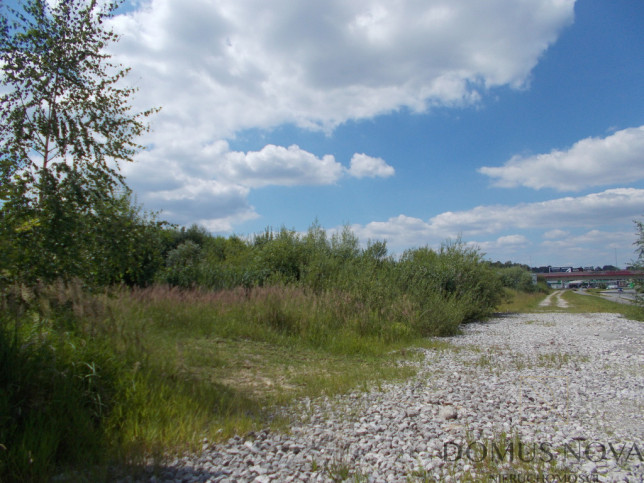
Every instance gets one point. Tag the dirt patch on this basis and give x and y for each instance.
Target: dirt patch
(555, 298)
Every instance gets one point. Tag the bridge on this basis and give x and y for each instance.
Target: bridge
(620, 278)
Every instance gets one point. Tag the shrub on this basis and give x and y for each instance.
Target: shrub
(182, 265)
(58, 385)
(517, 278)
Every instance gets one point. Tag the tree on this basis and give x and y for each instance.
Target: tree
(639, 243)
(639, 264)
(65, 126)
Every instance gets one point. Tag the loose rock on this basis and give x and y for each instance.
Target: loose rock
(554, 390)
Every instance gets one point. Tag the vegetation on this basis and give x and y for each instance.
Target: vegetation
(639, 264)
(131, 373)
(122, 337)
(588, 304)
(520, 302)
(65, 125)
(577, 303)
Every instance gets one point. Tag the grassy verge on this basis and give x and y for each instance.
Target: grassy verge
(596, 304)
(133, 375)
(517, 301)
(577, 303)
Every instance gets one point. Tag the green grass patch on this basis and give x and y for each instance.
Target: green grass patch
(139, 374)
(520, 302)
(596, 304)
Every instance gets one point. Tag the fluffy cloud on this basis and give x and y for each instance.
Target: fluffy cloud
(620, 204)
(210, 184)
(217, 206)
(318, 64)
(218, 68)
(611, 207)
(276, 165)
(365, 166)
(589, 162)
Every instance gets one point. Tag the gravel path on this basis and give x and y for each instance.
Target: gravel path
(530, 397)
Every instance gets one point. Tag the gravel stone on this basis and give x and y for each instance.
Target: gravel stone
(555, 391)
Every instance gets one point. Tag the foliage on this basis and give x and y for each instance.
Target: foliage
(182, 264)
(97, 380)
(113, 243)
(518, 278)
(65, 114)
(65, 125)
(58, 383)
(639, 264)
(426, 291)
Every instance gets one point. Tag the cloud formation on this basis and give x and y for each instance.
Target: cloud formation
(609, 207)
(318, 64)
(366, 166)
(276, 165)
(212, 184)
(218, 68)
(618, 158)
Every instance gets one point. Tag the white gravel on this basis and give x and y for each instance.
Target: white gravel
(565, 390)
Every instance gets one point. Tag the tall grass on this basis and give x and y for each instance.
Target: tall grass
(445, 287)
(57, 384)
(237, 328)
(138, 373)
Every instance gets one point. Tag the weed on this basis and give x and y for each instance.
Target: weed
(484, 360)
(338, 470)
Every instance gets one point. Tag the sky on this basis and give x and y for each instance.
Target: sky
(514, 125)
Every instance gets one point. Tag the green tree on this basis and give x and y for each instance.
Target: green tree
(639, 264)
(639, 243)
(65, 126)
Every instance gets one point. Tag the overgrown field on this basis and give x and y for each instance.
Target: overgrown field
(96, 375)
(120, 376)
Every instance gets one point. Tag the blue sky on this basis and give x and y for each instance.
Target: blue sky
(516, 125)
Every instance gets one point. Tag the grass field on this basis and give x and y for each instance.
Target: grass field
(577, 303)
(167, 368)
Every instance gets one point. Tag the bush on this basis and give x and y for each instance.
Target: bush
(437, 289)
(182, 265)
(457, 273)
(58, 386)
(517, 278)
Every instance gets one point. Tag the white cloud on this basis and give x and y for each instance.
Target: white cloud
(552, 234)
(592, 237)
(217, 68)
(276, 165)
(210, 184)
(365, 166)
(610, 207)
(318, 64)
(618, 158)
(215, 205)
(512, 240)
